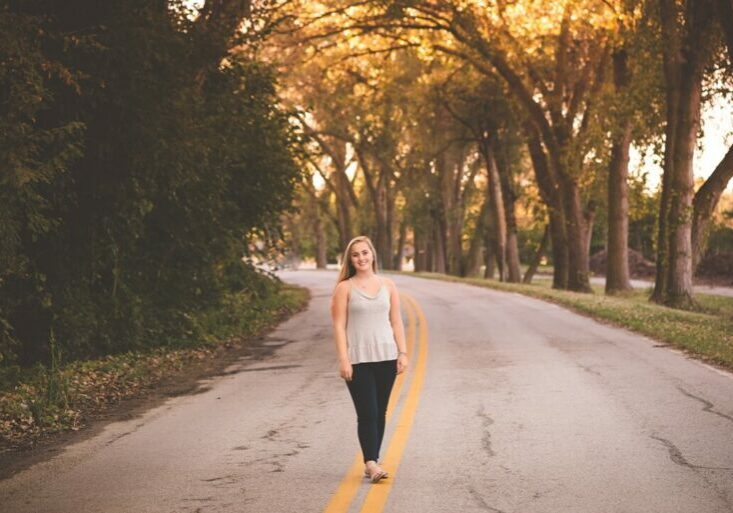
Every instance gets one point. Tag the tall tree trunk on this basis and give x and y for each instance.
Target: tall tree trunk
(321, 258)
(537, 258)
(660, 281)
(498, 216)
(560, 258)
(512, 257)
(474, 258)
(679, 227)
(671, 57)
(550, 196)
(589, 219)
(617, 254)
(438, 253)
(687, 36)
(576, 233)
(512, 247)
(449, 164)
(390, 226)
(514, 273)
(490, 243)
(617, 263)
(430, 251)
(489, 260)
(343, 204)
(383, 237)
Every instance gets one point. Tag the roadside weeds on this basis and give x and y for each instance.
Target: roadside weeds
(47, 400)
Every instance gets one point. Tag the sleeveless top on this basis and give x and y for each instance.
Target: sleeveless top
(369, 334)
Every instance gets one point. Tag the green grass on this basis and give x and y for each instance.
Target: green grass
(706, 333)
(38, 401)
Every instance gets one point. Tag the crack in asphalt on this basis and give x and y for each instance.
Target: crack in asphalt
(220, 478)
(482, 502)
(486, 438)
(272, 367)
(271, 434)
(707, 405)
(118, 437)
(589, 369)
(676, 456)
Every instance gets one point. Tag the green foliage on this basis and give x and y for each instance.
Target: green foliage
(32, 155)
(720, 240)
(643, 213)
(134, 170)
(720, 237)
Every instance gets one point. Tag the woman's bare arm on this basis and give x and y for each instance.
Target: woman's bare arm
(339, 314)
(395, 319)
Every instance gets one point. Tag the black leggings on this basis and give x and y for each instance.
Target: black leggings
(370, 386)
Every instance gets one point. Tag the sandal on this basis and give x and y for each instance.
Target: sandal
(377, 475)
(367, 474)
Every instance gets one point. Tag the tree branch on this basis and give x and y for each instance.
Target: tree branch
(705, 201)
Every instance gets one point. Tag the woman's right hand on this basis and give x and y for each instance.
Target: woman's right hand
(346, 370)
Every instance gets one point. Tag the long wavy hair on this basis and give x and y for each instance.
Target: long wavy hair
(347, 268)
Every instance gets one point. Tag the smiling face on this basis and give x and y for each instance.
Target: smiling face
(361, 256)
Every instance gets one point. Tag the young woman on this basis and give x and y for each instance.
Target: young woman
(370, 342)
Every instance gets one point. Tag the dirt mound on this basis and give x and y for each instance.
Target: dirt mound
(717, 268)
(639, 267)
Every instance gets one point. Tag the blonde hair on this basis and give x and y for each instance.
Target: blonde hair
(347, 268)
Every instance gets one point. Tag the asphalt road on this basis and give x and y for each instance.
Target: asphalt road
(511, 405)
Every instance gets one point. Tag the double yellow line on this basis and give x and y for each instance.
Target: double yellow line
(417, 347)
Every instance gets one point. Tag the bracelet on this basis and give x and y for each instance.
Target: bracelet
(401, 352)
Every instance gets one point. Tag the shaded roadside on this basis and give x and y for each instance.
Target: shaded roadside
(121, 387)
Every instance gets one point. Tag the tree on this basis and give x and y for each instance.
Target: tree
(709, 194)
(687, 45)
(141, 184)
(480, 105)
(617, 263)
(556, 88)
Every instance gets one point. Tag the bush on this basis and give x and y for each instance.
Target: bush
(134, 172)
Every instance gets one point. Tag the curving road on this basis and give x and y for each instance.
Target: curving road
(511, 405)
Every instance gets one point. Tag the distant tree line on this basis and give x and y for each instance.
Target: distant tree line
(137, 156)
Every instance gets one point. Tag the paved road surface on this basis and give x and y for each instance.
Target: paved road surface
(646, 284)
(518, 406)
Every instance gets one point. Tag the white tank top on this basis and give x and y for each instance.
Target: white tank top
(369, 334)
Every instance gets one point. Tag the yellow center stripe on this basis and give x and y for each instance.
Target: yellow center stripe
(377, 495)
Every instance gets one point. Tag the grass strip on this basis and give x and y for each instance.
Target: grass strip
(42, 401)
(706, 334)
